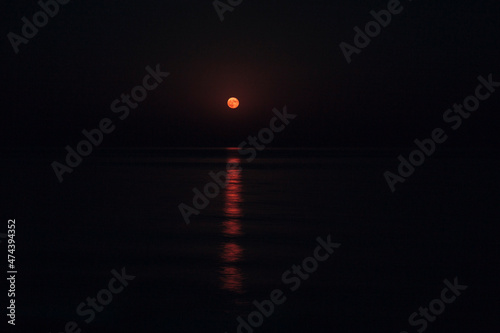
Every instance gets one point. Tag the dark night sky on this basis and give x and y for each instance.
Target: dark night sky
(266, 53)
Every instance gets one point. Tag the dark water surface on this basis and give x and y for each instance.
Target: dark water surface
(120, 209)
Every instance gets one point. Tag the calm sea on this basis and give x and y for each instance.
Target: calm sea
(119, 208)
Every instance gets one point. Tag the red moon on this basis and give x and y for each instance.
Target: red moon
(233, 102)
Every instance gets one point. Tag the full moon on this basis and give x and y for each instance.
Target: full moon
(233, 102)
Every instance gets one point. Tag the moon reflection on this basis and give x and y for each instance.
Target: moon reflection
(232, 253)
